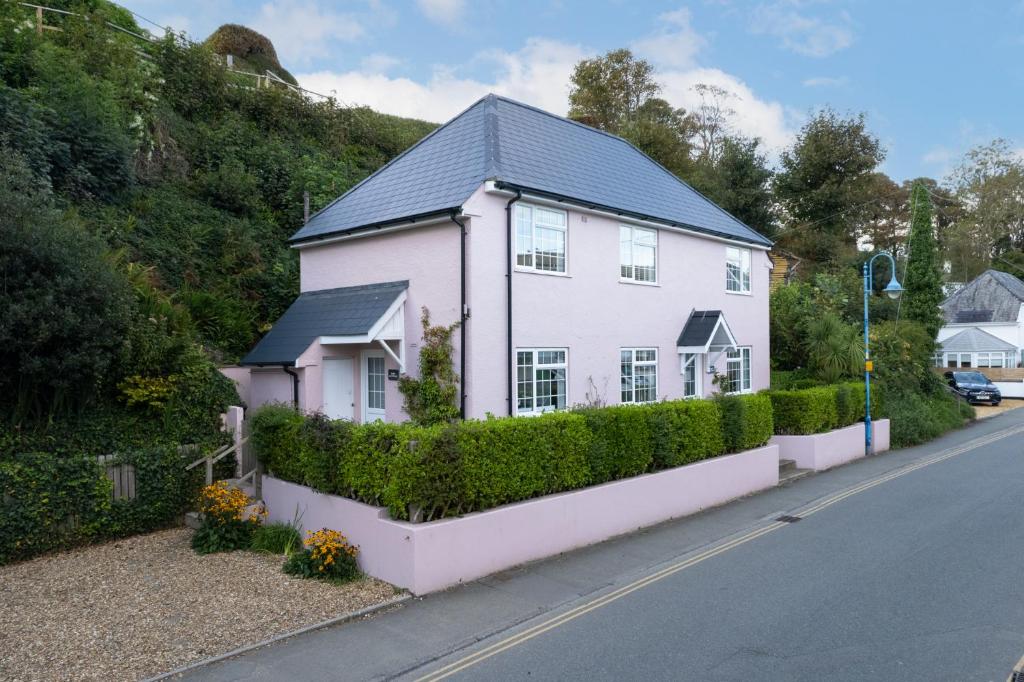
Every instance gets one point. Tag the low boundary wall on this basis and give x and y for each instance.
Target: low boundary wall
(820, 451)
(426, 557)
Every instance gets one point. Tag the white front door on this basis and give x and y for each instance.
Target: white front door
(374, 379)
(339, 388)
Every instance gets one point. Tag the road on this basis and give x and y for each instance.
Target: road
(903, 566)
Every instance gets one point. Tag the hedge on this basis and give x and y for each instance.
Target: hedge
(817, 410)
(427, 472)
(50, 502)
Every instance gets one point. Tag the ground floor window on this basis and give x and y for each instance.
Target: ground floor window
(375, 377)
(738, 370)
(639, 375)
(541, 379)
(690, 385)
(985, 360)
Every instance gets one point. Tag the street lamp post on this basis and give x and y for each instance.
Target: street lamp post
(893, 290)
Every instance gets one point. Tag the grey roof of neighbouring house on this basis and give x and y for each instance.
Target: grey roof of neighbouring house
(348, 311)
(521, 147)
(698, 328)
(992, 296)
(973, 340)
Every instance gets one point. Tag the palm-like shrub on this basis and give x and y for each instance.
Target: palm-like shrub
(833, 348)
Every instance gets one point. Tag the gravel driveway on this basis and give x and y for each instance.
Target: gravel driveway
(144, 605)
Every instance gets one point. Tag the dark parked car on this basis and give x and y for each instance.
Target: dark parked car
(975, 387)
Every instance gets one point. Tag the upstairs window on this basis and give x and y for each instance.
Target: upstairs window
(638, 254)
(639, 375)
(540, 238)
(737, 270)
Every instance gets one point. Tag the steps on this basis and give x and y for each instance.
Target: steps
(788, 471)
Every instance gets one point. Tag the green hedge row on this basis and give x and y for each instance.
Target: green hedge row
(446, 470)
(816, 410)
(50, 502)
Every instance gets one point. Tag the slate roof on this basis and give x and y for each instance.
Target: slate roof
(994, 295)
(348, 311)
(521, 147)
(698, 328)
(973, 340)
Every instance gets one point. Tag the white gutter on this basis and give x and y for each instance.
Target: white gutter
(491, 188)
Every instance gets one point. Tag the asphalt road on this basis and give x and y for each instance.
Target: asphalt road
(902, 567)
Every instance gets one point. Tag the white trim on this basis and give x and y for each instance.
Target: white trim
(633, 364)
(750, 369)
(564, 229)
(632, 244)
(365, 414)
(367, 231)
(742, 254)
(515, 368)
(698, 371)
(395, 309)
(490, 188)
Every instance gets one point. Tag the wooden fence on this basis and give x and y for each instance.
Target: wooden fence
(121, 475)
(993, 373)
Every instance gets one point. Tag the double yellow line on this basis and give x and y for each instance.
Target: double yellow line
(604, 600)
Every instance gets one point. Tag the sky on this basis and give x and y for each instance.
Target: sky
(934, 78)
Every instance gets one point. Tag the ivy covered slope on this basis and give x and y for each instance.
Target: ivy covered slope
(147, 197)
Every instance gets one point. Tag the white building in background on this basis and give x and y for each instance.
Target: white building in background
(984, 323)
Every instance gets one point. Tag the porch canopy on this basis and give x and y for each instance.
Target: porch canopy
(974, 340)
(706, 331)
(361, 314)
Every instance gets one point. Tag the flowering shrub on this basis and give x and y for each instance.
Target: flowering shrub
(226, 525)
(328, 555)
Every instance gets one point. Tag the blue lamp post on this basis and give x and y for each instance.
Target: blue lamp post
(893, 290)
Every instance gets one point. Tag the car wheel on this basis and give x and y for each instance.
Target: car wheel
(995, 403)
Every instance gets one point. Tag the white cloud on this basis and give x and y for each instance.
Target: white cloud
(446, 12)
(302, 32)
(825, 82)
(801, 33)
(537, 74)
(675, 44)
(378, 62)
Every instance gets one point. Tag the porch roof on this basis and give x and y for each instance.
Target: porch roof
(705, 330)
(342, 312)
(974, 340)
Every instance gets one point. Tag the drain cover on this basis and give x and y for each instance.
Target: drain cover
(794, 519)
(1017, 676)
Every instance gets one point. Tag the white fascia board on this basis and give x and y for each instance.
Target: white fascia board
(340, 340)
(388, 314)
(626, 220)
(374, 232)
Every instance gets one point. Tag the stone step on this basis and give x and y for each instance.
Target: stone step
(247, 488)
(193, 520)
(792, 474)
(786, 465)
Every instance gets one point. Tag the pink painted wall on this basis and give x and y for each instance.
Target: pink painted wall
(431, 556)
(594, 314)
(820, 451)
(241, 378)
(270, 385)
(427, 256)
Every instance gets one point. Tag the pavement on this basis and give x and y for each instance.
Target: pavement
(901, 566)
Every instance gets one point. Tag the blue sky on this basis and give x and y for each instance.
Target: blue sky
(934, 78)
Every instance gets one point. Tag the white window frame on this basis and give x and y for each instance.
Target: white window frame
(366, 413)
(534, 226)
(688, 361)
(988, 358)
(739, 258)
(633, 364)
(634, 241)
(537, 366)
(743, 358)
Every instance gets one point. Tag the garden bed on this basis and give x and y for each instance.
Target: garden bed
(138, 607)
(425, 557)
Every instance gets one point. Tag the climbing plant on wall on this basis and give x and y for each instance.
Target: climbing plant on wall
(432, 398)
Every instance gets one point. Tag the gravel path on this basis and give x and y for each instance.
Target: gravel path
(144, 605)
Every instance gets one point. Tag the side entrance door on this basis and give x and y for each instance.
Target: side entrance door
(339, 388)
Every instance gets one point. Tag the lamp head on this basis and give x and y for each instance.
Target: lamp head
(893, 288)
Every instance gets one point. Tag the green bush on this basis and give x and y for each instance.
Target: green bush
(50, 502)
(746, 420)
(849, 403)
(327, 556)
(685, 431)
(804, 411)
(322, 442)
(276, 538)
(917, 418)
(276, 438)
(622, 444)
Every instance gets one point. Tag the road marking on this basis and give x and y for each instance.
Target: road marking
(598, 602)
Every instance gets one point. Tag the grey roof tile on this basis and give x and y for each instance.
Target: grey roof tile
(347, 311)
(973, 340)
(519, 145)
(698, 328)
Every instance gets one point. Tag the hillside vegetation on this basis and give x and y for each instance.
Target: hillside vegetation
(146, 202)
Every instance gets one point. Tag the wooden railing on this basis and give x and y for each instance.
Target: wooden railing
(219, 454)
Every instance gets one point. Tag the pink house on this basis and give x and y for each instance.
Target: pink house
(582, 272)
